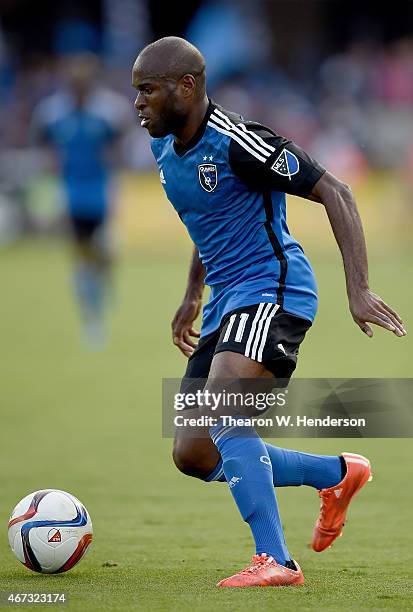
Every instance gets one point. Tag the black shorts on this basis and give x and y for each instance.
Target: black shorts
(85, 228)
(262, 332)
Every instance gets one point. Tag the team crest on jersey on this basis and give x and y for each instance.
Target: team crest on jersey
(286, 164)
(208, 176)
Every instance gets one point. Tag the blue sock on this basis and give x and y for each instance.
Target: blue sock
(293, 469)
(248, 471)
(90, 289)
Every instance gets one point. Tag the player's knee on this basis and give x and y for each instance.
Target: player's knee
(188, 461)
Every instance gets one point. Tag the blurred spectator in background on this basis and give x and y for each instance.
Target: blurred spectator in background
(233, 37)
(82, 124)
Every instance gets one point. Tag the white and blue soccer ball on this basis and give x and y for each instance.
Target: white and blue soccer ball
(50, 531)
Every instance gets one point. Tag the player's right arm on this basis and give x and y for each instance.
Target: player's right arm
(188, 311)
(269, 161)
(365, 306)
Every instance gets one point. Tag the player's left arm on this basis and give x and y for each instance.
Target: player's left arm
(365, 306)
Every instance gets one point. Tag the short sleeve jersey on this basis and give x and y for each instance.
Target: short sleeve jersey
(228, 186)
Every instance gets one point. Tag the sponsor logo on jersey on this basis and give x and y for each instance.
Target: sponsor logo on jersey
(54, 536)
(208, 176)
(286, 164)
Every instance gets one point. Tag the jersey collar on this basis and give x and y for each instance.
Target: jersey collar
(182, 149)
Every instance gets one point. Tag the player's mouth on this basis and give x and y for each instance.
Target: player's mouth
(144, 121)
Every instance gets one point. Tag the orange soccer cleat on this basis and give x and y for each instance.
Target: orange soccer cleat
(335, 501)
(264, 571)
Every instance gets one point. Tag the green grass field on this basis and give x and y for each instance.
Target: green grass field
(90, 423)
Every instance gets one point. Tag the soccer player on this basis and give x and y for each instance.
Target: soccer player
(227, 179)
(83, 123)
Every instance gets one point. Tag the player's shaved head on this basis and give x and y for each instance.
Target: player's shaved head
(169, 75)
(172, 58)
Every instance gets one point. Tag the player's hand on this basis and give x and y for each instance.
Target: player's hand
(182, 330)
(367, 307)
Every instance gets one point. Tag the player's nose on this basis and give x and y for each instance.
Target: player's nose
(139, 102)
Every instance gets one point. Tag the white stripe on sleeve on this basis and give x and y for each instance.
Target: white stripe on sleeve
(239, 141)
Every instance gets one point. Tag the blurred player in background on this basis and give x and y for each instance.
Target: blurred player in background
(227, 179)
(83, 123)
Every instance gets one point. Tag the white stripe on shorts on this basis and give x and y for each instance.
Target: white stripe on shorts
(265, 332)
(228, 330)
(253, 328)
(241, 326)
(268, 308)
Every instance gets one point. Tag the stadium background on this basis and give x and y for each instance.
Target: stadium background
(338, 78)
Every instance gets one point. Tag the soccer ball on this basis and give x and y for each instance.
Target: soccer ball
(50, 531)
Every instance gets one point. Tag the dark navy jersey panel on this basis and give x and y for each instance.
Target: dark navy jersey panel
(229, 190)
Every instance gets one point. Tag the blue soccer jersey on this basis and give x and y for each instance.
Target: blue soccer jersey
(82, 136)
(228, 186)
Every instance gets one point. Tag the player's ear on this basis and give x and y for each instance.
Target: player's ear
(188, 84)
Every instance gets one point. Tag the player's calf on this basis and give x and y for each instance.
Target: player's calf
(196, 457)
